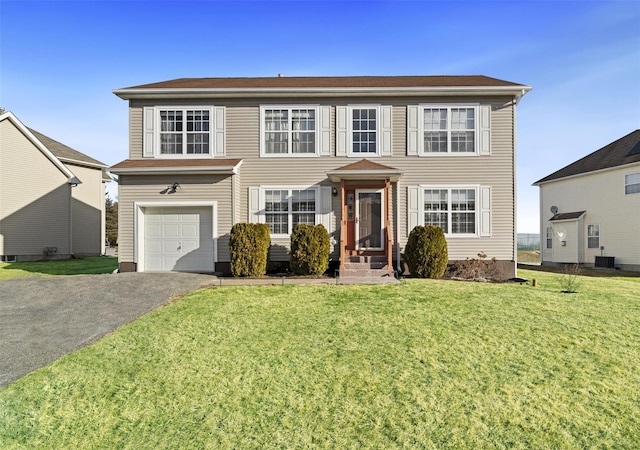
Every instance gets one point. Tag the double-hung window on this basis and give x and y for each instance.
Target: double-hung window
(364, 131)
(549, 237)
(632, 183)
(440, 129)
(289, 131)
(593, 236)
(449, 129)
(454, 210)
(185, 131)
(284, 208)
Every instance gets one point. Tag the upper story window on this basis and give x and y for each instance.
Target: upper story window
(448, 129)
(632, 183)
(289, 131)
(183, 131)
(364, 126)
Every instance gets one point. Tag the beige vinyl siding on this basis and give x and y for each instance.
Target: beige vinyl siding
(602, 196)
(34, 198)
(193, 188)
(88, 211)
(495, 170)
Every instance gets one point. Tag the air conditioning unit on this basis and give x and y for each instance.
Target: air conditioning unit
(605, 262)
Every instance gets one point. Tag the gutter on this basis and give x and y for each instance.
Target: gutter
(128, 94)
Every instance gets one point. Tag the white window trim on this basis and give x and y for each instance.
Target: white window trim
(589, 236)
(184, 109)
(138, 227)
(350, 152)
(548, 237)
(476, 144)
(263, 152)
(629, 184)
(262, 217)
(477, 211)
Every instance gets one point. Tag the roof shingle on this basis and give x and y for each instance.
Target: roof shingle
(618, 153)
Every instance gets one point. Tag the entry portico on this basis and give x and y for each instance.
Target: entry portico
(365, 223)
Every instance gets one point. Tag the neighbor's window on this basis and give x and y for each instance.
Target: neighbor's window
(549, 237)
(632, 183)
(289, 131)
(185, 132)
(364, 128)
(593, 236)
(285, 208)
(449, 129)
(453, 210)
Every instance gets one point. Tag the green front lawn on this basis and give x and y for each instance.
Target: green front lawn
(93, 265)
(423, 364)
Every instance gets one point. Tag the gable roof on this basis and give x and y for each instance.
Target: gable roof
(625, 150)
(66, 153)
(72, 179)
(324, 85)
(364, 169)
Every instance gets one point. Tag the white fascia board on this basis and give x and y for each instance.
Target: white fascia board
(128, 94)
(221, 170)
(583, 174)
(83, 163)
(72, 179)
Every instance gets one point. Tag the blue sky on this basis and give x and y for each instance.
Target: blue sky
(59, 62)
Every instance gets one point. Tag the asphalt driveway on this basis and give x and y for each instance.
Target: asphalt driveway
(44, 318)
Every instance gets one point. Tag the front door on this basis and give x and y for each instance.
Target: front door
(369, 214)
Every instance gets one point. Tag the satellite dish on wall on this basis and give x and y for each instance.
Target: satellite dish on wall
(554, 210)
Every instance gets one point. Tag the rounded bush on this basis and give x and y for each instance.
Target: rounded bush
(310, 248)
(249, 248)
(426, 252)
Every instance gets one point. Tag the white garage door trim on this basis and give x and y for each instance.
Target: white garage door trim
(139, 226)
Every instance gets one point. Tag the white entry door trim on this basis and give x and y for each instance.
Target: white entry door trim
(139, 226)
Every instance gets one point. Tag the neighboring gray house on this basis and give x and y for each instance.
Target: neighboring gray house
(590, 209)
(367, 157)
(51, 197)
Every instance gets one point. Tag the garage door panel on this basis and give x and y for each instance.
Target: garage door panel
(179, 239)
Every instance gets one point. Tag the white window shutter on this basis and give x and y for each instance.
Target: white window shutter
(219, 131)
(325, 207)
(412, 130)
(412, 207)
(385, 129)
(148, 119)
(485, 211)
(342, 133)
(485, 129)
(324, 130)
(254, 205)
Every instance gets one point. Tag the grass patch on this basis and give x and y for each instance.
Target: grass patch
(423, 364)
(92, 265)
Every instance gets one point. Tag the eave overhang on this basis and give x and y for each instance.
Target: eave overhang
(190, 93)
(568, 217)
(175, 167)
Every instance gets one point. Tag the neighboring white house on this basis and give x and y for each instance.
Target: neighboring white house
(590, 209)
(52, 197)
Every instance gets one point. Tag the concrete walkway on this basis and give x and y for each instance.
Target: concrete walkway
(44, 318)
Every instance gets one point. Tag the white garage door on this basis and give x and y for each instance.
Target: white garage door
(178, 238)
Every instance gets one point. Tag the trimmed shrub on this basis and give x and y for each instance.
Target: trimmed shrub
(249, 248)
(426, 252)
(309, 249)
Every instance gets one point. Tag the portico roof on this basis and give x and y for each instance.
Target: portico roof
(364, 170)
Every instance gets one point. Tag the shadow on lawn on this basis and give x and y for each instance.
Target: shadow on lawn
(79, 266)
